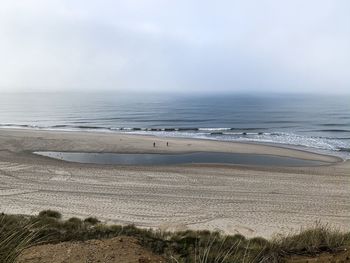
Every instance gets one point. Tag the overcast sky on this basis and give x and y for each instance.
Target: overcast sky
(178, 45)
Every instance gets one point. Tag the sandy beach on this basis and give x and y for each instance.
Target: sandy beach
(253, 201)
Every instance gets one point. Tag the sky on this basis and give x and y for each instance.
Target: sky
(175, 46)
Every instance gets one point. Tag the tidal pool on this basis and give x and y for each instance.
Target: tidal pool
(180, 158)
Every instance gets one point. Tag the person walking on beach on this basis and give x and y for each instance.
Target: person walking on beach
(167, 144)
(154, 144)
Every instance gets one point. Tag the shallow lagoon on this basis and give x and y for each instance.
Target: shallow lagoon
(181, 158)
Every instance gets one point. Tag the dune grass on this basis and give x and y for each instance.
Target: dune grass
(308, 242)
(19, 231)
(15, 235)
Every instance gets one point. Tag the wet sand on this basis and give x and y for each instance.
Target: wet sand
(253, 201)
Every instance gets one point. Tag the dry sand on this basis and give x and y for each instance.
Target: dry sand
(253, 201)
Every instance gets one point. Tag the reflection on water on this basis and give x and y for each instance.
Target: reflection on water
(183, 158)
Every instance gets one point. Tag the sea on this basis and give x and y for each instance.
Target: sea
(319, 123)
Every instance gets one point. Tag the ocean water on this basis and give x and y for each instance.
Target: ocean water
(314, 122)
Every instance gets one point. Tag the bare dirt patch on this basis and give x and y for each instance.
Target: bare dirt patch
(115, 250)
(341, 257)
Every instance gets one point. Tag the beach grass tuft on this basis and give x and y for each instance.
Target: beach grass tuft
(16, 234)
(50, 213)
(92, 220)
(309, 242)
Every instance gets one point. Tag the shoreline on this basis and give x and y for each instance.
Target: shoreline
(282, 149)
(302, 148)
(250, 200)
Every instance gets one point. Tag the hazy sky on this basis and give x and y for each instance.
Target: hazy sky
(178, 45)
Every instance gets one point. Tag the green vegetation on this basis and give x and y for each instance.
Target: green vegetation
(50, 213)
(15, 235)
(18, 232)
(92, 220)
